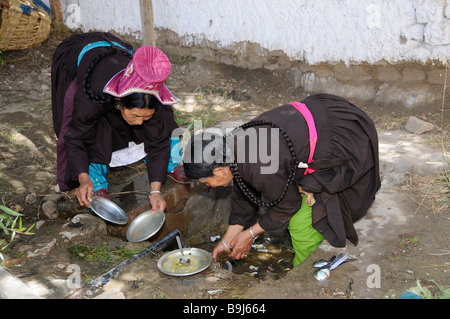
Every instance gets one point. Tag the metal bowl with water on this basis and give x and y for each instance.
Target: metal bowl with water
(108, 210)
(170, 263)
(145, 226)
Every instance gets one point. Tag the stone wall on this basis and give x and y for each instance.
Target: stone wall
(382, 52)
(411, 87)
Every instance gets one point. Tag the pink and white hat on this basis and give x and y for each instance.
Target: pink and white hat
(146, 73)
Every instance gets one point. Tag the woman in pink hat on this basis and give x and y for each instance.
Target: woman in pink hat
(111, 108)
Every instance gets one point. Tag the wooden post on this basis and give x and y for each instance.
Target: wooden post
(55, 7)
(148, 28)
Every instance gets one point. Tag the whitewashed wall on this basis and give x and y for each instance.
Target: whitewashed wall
(314, 31)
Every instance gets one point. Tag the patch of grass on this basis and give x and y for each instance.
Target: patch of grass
(102, 253)
(210, 112)
(409, 240)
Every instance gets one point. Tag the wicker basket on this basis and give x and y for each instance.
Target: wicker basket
(19, 30)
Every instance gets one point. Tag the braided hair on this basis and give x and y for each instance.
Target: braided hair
(245, 188)
(91, 95)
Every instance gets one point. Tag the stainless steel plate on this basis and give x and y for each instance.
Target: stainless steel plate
(169, 263)
(108, 210)
(145, 226)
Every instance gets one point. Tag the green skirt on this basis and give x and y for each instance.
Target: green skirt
(305, 239)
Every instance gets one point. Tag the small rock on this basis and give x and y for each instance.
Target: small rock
(52, 197)
(49, 210)
(418, 126)
(87, 226)
(17, 208)
(39, 224)
(42, 249)
(31, 199)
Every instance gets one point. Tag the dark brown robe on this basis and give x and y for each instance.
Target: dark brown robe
(89, 132)
(343, 194)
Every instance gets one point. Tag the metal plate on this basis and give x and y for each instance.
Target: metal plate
(169, 263)
(145, 226)
(108, 210)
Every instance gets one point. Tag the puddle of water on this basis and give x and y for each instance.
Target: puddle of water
(270, 257)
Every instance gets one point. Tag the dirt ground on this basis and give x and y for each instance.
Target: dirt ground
(404, 238)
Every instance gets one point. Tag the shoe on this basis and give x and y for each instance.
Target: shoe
(178, 175)
(102, 193)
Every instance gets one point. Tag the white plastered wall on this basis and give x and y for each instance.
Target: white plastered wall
(314, 31)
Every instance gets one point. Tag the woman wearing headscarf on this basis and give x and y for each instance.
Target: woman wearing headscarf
(313, 164)
(111, 108)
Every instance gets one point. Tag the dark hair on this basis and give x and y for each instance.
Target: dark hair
(195, 169)
(139, 100)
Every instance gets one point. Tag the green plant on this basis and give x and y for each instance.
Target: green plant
(427, 294)
(11, 224)
(409, 240)
(103, 253)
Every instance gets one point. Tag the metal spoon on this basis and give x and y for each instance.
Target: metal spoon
(322, 274)
(323, 271)
(339, 260)
(324, 268)
(183, 260)
(322, 263)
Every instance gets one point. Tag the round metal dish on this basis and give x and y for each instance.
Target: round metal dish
(145, 226)
(169, 263)
(108, 210)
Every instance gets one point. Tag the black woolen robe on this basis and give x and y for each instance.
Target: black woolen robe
(343, 194)
(96, 130)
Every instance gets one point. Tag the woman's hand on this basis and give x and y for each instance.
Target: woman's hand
(157, 202)
(84, 191)
(231, 232)
(220, 247)
(241, 244)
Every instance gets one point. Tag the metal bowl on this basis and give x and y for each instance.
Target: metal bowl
(145, 226)
(169, 263)
(108, 210)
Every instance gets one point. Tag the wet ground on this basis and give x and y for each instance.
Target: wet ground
(404, 237)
